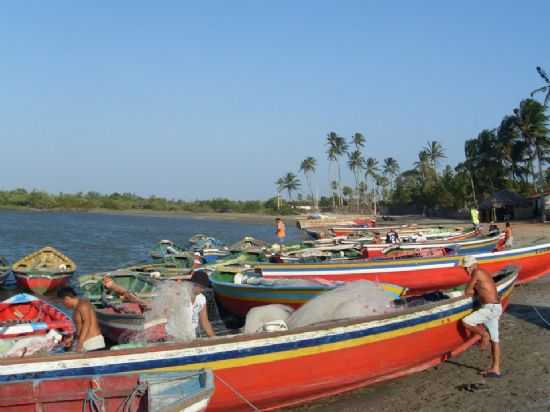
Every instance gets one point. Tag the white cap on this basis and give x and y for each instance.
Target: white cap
(469, 261)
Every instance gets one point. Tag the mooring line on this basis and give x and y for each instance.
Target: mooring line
(240, 395)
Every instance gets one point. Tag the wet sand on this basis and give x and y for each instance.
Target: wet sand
(524, 386)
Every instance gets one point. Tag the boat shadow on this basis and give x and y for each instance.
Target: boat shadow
(534, 314)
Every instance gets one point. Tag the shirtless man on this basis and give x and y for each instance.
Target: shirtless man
(87, 329)
(484, 321)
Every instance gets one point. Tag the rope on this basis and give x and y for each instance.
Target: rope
(239, 395)
(139, 391)
(540, 316)
(96, 402)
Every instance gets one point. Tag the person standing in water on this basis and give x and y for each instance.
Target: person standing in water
(280, 230)
(87, 329)
(484, 321)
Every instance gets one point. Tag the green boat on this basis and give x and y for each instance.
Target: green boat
(4, 269)
(171, 270)
(141, 285)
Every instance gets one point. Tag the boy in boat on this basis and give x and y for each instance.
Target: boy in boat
(392, 236)
(199, 280)
(87, 329)
(484, 321)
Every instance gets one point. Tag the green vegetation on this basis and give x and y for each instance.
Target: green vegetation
(20, 198)
(515, 155)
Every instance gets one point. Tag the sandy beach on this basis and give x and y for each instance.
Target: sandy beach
(524, 386)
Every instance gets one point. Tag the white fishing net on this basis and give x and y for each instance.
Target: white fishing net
(259, 316)
(353, 300)
(171, 306)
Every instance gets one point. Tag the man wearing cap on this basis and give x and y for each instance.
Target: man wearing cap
(484, 321)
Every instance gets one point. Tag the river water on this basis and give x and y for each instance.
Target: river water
(98, 242)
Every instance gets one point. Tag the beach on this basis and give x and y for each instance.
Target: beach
(525, 384)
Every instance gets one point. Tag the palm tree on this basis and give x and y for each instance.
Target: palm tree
(358, 140)
(532, 121)
(423, 163)
(291, 183)
(280, 187)
(543, 89)
(391, 169)
(371, 170)
(435, 153)
(356, 163)
(308, 167)
(337, 147)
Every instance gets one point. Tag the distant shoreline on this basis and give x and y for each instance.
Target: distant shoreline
(242, 217)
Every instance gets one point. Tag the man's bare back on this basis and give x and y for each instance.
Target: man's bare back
(484, 287)
(86, 322)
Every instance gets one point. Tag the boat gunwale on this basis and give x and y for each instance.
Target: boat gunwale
(326, 328)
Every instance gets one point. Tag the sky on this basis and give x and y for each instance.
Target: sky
(194, 100)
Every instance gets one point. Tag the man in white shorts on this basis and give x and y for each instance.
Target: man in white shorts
(484, 321)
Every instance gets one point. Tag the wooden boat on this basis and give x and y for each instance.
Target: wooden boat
(465, 247)
(43, 270)
(166, 250)
(169, 269)
(419, 274)
(26, 315)
(4, 269)
(252, 291)
(140, 284)
(279, 369)
(154, 392)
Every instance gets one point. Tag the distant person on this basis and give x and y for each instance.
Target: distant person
(280, 230)
(484, 321)
(474, 213)
(508, 237)
(392, 236)
(493, 229)
(376, 239)
(89, 337)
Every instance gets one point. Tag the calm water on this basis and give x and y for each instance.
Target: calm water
(98, 242)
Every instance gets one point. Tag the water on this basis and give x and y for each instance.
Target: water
(101, 242)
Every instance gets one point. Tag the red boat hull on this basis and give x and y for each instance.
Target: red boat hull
(41, 284)
(69, 395)
(277, 370)
(277, 383)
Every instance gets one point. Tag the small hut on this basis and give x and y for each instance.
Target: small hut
(505, 205)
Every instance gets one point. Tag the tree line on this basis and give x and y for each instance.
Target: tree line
(514, 155)
(21, 198)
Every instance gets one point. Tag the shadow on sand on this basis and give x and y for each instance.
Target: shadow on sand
(534, 314)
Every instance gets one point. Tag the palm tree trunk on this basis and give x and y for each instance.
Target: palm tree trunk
(340, 193)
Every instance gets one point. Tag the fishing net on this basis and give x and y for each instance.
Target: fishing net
(258, 317)
(353, 300)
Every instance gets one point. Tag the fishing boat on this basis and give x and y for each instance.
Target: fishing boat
(4, 269)
(43, 270)
(419, 274)
(273, 370)
(154, 392)
(169, 269)
(25, 315)
(465, 247)
(238, 292)
(166, 249)
(140, 284)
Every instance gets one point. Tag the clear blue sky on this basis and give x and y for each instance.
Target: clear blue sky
(200, 99)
